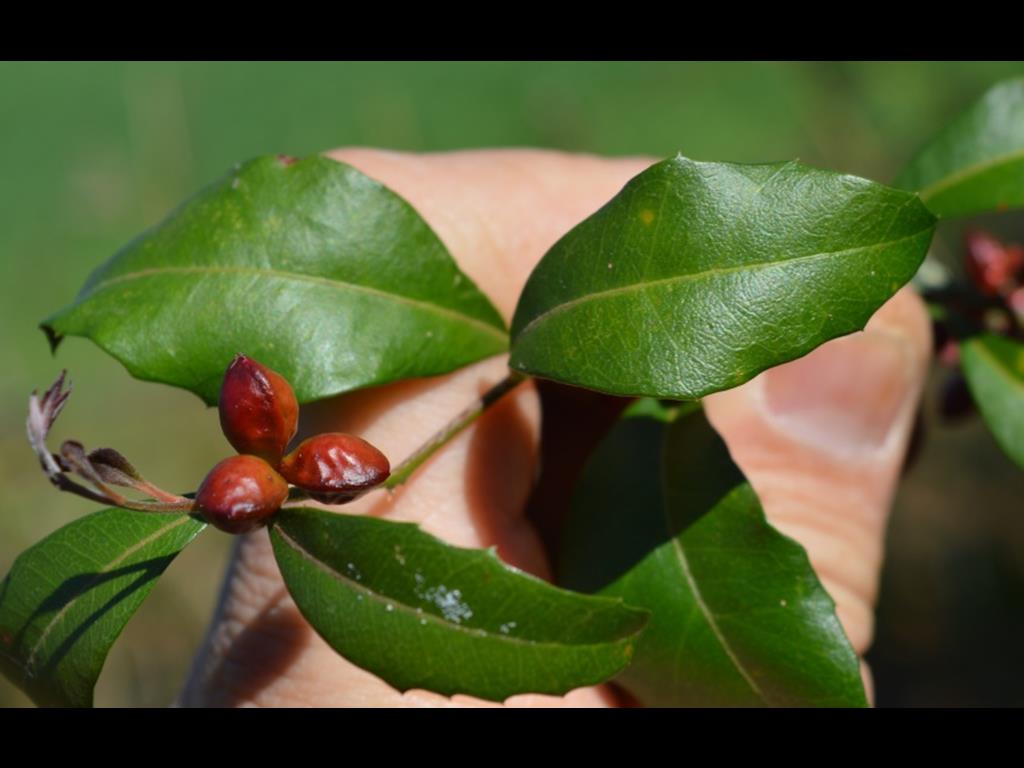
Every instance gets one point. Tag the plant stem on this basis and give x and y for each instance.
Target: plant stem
(443, 436)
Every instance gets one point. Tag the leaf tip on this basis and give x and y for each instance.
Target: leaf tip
(52, 336)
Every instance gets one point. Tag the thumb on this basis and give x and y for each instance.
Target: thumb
(822, 441)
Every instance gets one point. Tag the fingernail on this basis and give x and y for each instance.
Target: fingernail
(847, 396)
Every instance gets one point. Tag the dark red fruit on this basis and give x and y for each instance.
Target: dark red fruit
(258, 410)
(240, 494)
(992, 265)
(335, 467)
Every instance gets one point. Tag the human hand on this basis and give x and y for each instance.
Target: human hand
(821, 439)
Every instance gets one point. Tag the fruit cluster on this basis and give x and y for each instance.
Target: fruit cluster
(259, 417)
(992, 301)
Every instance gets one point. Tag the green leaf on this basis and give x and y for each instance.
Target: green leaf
(312, 268)
(664, 519)
(420, 613)
(994, 369)
(698, 276)
(976, 163)
(66, 599)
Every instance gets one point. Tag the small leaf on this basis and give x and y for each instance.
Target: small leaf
(664, 519)
(318, 271)
(698, 276)
(976, 163)
(66, 599)
(114, 468)
(994, 368)
(420, 613)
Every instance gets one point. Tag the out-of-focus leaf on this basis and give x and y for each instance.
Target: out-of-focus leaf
(976, 163)
(994, 368)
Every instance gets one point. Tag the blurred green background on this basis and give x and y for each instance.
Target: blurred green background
(92, 153)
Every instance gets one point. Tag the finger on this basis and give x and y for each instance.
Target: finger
(497, 212)
(822, 440)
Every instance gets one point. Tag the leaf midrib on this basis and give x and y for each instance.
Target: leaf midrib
(1002, 370)
(404, 608)
(684, 566)
(965, 173)
(105, 569)
(707, 273)
(299, 277)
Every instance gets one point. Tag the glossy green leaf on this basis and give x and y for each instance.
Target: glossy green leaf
(420, 613)
(976, 163)
(698, 276)
(994, 369)
(312, 268)
(66, 599)
(664, 519)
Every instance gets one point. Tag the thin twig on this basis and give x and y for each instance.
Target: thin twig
(102, 468)
(404, 470)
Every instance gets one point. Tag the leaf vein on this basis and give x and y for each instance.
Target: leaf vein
(964, 173)
(400, 606)
(105, 569)
(707, 273)
(299, 277)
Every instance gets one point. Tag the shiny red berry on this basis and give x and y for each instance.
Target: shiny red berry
(240, 494)
(335, 467)
(258, 410)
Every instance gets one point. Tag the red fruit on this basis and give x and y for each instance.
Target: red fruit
(334, 467)
(992, 266)
(258, 410)
(240, 494)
